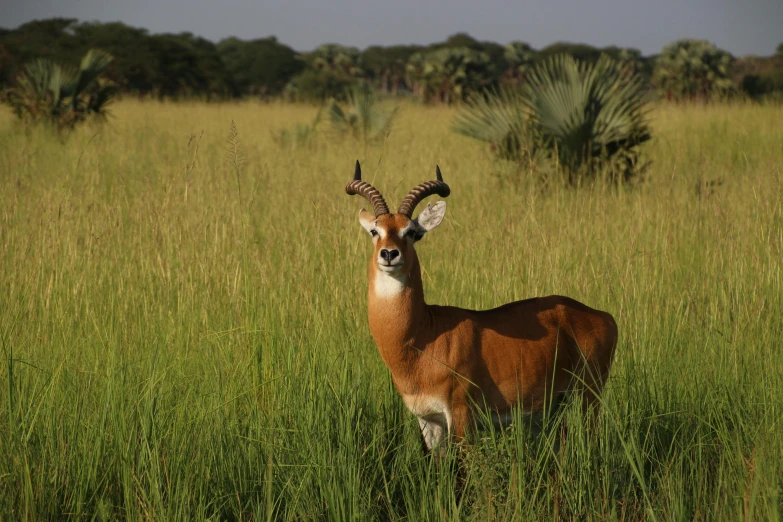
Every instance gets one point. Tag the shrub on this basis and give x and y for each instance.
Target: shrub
(690, 70)
(314, 85)
(62, 96)
(586, 118)
(449, 74)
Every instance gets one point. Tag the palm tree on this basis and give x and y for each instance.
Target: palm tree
(449, 74)
(60, 95)
(585, 117)
(338, 59)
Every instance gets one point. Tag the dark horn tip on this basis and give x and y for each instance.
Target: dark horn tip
(357, 174)
(438, 174)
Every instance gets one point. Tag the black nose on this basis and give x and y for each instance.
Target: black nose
(388, 255)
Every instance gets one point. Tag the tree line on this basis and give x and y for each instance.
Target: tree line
(179, 66)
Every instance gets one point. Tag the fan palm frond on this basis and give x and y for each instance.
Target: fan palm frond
(92, 65)
(498, 118)
(588, 116)
(587, 111)
(61, 95)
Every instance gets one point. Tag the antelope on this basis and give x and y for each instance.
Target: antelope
(447, 361)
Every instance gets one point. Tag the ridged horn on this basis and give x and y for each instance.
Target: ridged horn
(367, 191)
(423, 190)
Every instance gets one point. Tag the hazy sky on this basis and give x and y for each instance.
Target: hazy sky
(740, 27)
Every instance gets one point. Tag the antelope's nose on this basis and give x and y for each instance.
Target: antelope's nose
(388, 255)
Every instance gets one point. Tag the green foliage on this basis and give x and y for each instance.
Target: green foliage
(315, 85)
(62, 96)
(764, 87)
(630, 60)
(520, 57)
(333, 70)
(450, 74)
(33, 40)
(779, 50)
(364, 119)
(693, 70)
(758, 78)
(460, 39)
(386, 66)
(500, 119)
(338, 60)
(188, 66)
(135, 66)
(582, 52)
(590, 114)
(164, 65)
(586, 117)
(174, 66)
(494, 51)
(263, 66)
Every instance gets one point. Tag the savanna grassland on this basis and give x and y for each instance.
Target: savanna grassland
(183, 334)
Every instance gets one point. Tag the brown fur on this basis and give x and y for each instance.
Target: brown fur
(518, 355)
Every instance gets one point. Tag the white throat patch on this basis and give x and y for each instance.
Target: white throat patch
(389, 285)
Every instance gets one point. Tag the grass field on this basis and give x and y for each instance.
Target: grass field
(183, 339)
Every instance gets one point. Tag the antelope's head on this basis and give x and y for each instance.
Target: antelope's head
(393, 235)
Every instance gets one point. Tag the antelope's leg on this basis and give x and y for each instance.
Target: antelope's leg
(460, 418)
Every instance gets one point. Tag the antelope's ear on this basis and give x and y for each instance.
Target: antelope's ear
(366, 220)
(430, 217)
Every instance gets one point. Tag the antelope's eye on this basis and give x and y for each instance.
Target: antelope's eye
(373, 232)
(410, 233)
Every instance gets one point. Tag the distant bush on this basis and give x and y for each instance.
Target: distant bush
(450, 74)
(760, 78)
(314, 85)
(765, 86)
(693, 70)
(185, 66)
(259, 67)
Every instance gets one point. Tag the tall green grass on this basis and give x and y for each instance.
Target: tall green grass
(183, 336)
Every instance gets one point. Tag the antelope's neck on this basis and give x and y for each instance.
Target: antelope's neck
(397, 312)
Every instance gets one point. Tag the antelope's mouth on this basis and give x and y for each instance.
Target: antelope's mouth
(389, 267)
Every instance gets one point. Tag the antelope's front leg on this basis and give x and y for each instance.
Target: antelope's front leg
(460, 422)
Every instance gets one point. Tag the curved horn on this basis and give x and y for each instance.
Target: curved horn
(423, 190)
(367, 191)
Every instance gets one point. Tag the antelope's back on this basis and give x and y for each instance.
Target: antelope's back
(539, 332)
